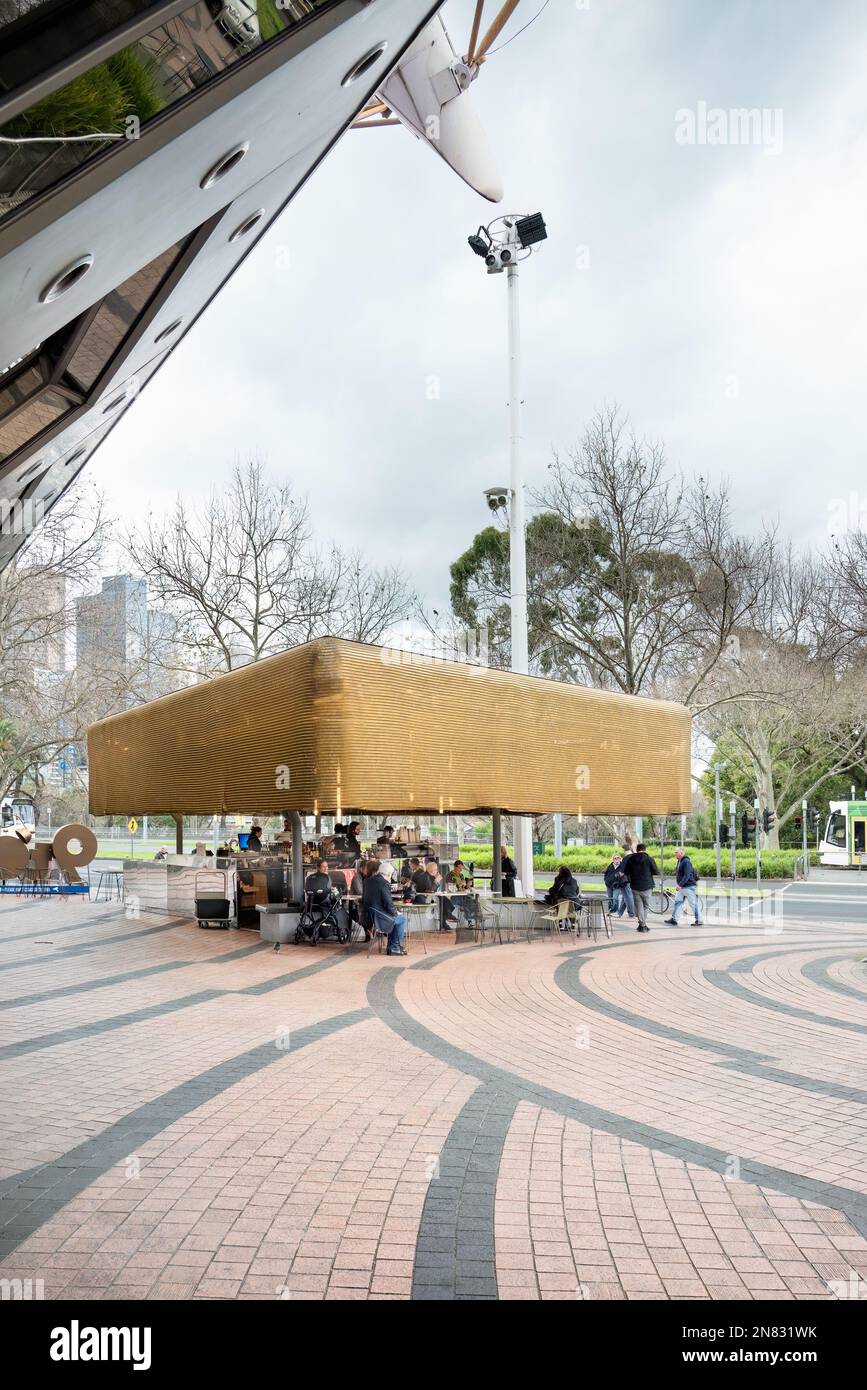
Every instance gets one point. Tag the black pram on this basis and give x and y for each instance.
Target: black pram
(320, 919)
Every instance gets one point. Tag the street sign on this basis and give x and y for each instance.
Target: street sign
(132, 825)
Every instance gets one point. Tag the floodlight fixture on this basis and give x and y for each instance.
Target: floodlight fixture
(531, 229)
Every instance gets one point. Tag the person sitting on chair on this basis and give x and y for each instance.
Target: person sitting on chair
(462, 899)
(318, 884)
(422, 882)
(378, 902)
(564, 886)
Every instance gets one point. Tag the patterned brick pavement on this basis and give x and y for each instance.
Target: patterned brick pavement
(187, 1114)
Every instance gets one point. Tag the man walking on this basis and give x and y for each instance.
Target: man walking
(640, 871)
(687, 883)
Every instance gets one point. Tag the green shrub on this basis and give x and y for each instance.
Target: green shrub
(271, 21)
(590, 859)
(98, 101)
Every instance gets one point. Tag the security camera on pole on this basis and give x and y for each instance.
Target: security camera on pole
(502, 245)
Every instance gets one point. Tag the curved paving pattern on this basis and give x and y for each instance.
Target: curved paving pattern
(682, 1116)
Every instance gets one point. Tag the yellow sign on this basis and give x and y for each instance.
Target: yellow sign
(132, 825)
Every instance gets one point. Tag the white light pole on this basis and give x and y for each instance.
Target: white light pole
(503, 244)
(717, 817)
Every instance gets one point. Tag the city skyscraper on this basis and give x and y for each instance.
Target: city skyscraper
(111, 625)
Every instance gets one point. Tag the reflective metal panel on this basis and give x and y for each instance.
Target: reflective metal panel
(335, 724)
(111, 101)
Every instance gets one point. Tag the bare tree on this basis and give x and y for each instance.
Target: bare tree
(370, 601)
(641, 581)
(45, 706)
(241, 578)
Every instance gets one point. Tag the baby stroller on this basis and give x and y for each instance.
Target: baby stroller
(320, 920)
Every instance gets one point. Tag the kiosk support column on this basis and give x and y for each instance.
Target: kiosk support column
(179, 834)
(297, 857)
(496, 859)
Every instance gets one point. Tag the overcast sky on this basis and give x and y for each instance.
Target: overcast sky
(723, 305)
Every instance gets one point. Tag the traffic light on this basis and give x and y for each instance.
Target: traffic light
(748, 826)
(723, 832)
(769, 820)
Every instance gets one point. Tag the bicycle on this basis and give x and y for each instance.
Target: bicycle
(660, 901)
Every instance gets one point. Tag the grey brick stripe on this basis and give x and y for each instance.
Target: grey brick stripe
(33, 1197)
(511, 1087)
(454, 1256)
(170, 1006)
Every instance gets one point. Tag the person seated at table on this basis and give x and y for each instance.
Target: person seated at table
(254, 839)
(387, 869)
(162, 853)
(409, 868)
(376, 898)
(318, 884)
(355, 889)
(423, 883)
(564, 886)
(456, 877)
(461, 898)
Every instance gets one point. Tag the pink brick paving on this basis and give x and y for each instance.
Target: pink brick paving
(519, 1122)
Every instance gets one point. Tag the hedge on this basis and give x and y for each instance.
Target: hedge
(594, 859)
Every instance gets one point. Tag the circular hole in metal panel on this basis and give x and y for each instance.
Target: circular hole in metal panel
(68, 277)
(248, 224)
(168, 330)
(29, 471)
(364, 64)
(225, 165)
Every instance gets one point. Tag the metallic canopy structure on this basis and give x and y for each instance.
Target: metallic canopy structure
(334, 726)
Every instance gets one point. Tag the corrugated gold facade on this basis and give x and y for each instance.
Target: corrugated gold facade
(354, 727)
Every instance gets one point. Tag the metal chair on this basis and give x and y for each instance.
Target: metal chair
(487, 920)
(415, 913)
(380, 931)
(565, 918)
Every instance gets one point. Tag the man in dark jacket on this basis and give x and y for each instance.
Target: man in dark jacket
(687, 883)
(640, 871)
(378, 906)
(423, 882)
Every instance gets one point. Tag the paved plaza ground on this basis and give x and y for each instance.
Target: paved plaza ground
(187, 1114)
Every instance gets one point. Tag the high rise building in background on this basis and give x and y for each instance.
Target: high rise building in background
(111, 626)
(44, 615)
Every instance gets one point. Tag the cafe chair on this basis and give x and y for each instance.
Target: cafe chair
(564, 919)
(488, 922)
(379, 931)
(416, 914)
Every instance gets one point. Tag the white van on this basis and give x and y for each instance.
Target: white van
(239, 19)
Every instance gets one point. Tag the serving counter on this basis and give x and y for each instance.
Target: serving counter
(170, 884)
